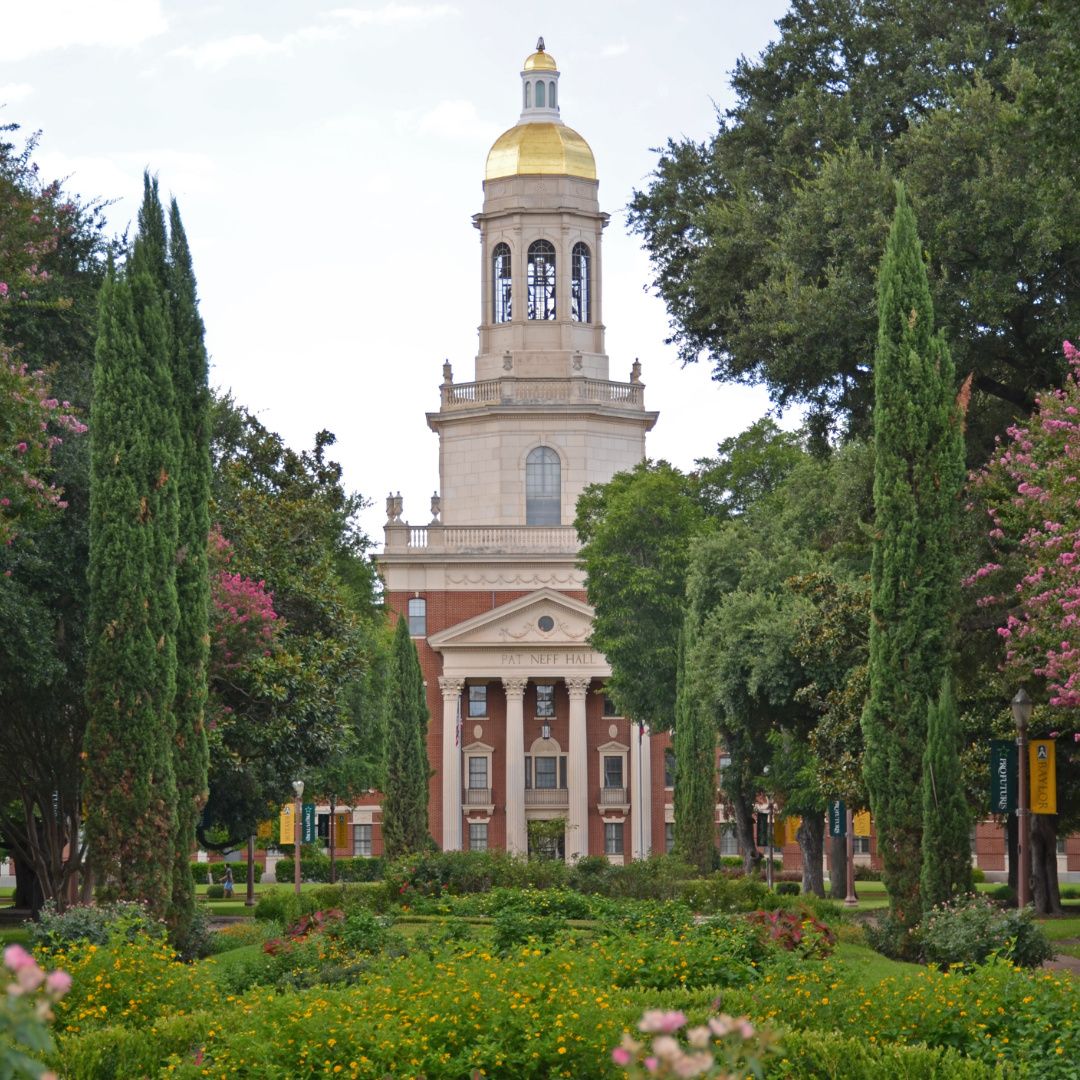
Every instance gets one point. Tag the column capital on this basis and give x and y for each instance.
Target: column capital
(515, 686)
(577, 685)
(450, 685)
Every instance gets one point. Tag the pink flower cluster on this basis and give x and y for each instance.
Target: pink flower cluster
(722, 1047)
(30, 995)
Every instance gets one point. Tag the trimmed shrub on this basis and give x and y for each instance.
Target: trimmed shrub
(512, 928)
(215, 892)
(1004, 894)
(96, 925)
(978, 875)
(972, 929)
(284, 907)
(866, 873)
(200, 870)
(788, 888)
(721, 893)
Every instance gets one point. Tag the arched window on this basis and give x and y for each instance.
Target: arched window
(580, 292)
(500, 283)
(551, 95)
(543, 487)
(528, 95)
(540, 94)
(541, 280)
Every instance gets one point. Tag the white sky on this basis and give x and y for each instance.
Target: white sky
(327, 159)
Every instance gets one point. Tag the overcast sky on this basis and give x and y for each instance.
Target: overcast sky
(328, 159)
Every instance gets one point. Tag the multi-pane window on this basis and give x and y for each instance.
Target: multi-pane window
(478, 836)
(729, 842)
(418, 617)
(545, 771)
(501, 284)
(545, 699)
(613, 770)
(610, 708)
(543, 487)
(613, 837)
(580, 299)
(669, 767)
(362, 840)
(478, 772)
(862, 845)
(722, 763)
(669, 837)
(478, 699)
(540, 275)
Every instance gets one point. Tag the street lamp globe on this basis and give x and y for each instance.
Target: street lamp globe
(298, 787)
(1022, 706)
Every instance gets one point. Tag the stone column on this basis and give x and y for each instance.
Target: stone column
(640, 791)
(451, 763)
(577, 772)
(516, 837)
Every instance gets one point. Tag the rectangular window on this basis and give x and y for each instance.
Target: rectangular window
(545, 700)
(613, 837)
(613, 774)
(478, 773)
(562, 771)
(322, 828)
(729, 842)
(722, 763)
(478, 700)
(545, 772)
(862, 845)
(362, 840)
(478, 836)
(669, 837)
(610, 708)
(1061, 845)
(669, 768)
(417, 617)
(528, 771)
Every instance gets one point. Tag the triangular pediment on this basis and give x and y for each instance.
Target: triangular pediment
(544, 617)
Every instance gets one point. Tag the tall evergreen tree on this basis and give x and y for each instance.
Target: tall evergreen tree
(946, 853)
(130, 791)
(918, 473)
(695, 772)
(189, 376)
(405, 804)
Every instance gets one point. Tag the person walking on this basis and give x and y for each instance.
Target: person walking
(228, 883)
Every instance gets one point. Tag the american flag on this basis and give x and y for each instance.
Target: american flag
(457, 725)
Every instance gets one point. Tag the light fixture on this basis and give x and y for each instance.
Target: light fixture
(298, 787)
(1021, 709)
(545, 731)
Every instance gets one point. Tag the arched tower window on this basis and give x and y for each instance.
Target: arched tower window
(528, 94)
(540, 94)
(580, 290)
(541, 280)
(543, 487)
(500, 283)
(551, 95)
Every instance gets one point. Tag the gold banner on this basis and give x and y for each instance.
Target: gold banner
(785, 829)
(1042, 762)
(861, 823)
(265, 831)
(287, 825)
(341, 831)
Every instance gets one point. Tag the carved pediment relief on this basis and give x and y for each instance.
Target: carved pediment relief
(544, 617)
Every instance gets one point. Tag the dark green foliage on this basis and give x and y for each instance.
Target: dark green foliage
(971, 929)
(189, 369)
(918, 473)
(946, 845)
(695, 766)
(765, 239)
(405, 800)
(317, 868)
(200, 871)
(635, 533)
(130, 786)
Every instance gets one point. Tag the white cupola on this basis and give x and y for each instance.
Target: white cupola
(539, 88)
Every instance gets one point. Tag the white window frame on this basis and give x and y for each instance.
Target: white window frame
(478, 825)
(420, 616)
(358, 843)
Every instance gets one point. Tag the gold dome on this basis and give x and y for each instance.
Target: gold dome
(540, 61)
(540, 149)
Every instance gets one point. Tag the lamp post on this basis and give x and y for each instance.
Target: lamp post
(851, 900)
(298, 787)
(1021, 710)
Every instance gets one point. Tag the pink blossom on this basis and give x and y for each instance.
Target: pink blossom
(58, 983)
(661, 1021)
(620, 1055)
(21, 447)
(16, 958)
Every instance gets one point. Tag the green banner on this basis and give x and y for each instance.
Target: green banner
(307, 834)
(837, 818)
(762, 829)
(1004, 776)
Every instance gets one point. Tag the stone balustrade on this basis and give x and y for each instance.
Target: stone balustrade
(547, 797)
(532, 391)
(482, 539)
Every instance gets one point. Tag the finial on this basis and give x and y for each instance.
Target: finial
(539, 44)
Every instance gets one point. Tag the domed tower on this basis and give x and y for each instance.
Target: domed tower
(491, 588)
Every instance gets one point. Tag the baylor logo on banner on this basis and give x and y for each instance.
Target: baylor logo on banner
(1003, 776)
(1043, 764)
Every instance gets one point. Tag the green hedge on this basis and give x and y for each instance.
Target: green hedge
(217, 869)
(317, 868)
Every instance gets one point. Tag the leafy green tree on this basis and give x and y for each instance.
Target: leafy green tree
(405, 800)
(695, 767)
(946, 852)
(635, 532)
(918, 461)
(765, 239)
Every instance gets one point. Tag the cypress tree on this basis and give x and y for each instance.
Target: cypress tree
(918, 473)
(695, 772)
(946, 853)
(130, 791)
(190, 750)
(405, 805)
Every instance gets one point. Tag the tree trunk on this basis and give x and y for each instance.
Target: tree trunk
(811, 838)
(1044, 878)
(1012, 835)
(743, 806)
(333, 839)
(28, 894)
(837, 867)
